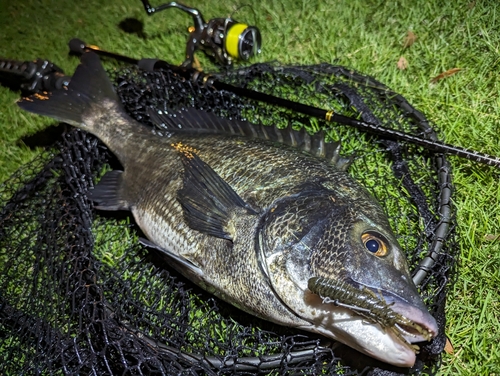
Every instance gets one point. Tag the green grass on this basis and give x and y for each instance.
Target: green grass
(365, 35)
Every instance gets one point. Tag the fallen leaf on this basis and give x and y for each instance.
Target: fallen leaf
(448, 73)
(448, 347)
(491, 237)
(410, 38)
(402, 63)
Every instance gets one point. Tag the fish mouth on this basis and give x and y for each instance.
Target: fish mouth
(407, 320)
(374, 321)
(412, 324)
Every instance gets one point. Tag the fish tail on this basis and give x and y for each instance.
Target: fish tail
(89, 91)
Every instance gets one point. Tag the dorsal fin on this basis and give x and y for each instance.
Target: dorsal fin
(201, 122)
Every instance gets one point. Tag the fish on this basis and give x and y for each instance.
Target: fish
(266, 219)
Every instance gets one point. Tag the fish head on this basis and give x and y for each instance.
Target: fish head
(321, 233)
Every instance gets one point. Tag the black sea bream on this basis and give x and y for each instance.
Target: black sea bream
(276, 231)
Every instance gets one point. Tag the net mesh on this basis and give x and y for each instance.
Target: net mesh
(80, 295)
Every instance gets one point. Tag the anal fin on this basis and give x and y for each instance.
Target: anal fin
(108, 193)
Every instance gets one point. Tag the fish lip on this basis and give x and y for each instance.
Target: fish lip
(420, 317)
(422, 327)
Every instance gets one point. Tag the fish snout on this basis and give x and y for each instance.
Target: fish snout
(417, 325)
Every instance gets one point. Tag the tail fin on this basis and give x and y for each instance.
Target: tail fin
(89, 85)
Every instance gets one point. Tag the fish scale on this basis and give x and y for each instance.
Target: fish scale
(163, 220)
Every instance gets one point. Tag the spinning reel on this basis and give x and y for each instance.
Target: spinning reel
(224, 39)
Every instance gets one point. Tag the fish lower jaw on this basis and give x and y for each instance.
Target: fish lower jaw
(391, 351)
(413, 324)
(364, 336)
(412, 332)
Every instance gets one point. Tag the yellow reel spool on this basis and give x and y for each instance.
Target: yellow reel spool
(233, 39)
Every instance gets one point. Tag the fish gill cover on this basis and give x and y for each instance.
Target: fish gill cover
(80, 295)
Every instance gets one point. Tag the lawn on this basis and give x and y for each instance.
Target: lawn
(378, 38)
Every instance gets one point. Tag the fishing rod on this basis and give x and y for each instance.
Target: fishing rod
(79, 47)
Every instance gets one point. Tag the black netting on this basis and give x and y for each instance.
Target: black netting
(80, 295)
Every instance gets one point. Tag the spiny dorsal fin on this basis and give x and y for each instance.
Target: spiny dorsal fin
(198, 121)
(208, 201)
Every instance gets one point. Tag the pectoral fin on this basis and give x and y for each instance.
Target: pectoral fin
(208, 201)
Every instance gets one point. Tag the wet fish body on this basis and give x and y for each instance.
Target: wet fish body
(250, 220)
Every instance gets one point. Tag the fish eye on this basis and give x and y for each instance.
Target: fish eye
(374, 244)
